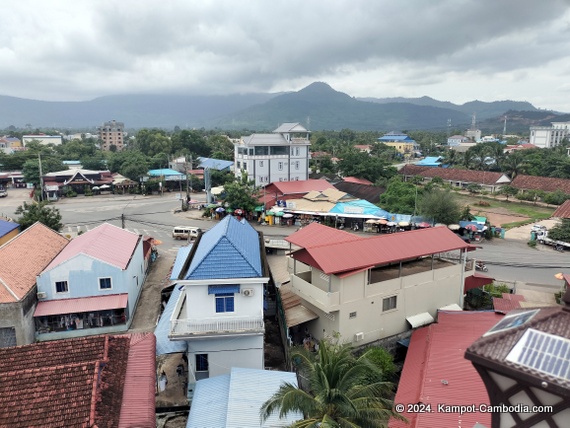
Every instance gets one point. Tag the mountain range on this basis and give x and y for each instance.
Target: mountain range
(317, 107)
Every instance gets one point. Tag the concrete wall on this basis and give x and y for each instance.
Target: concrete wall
(20, 316)
(9, 236)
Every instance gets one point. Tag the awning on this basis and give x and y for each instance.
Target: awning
(298, 315)
(80, 305)
(419, 320)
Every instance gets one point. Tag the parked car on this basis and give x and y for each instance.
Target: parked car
(3, 193)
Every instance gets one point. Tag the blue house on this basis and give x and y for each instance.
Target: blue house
(219, 310)
(92, 286)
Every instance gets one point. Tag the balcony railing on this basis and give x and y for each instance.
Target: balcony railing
(325, 301)
(216, 326)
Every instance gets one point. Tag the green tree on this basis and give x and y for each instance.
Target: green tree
(440, 205)
(135, 166)
(241, 193)
(399, 197)
(560, 232)
(31, 168)
(514, 164)
(33, 212)
(360, 164)
(343, 391)
(508, 190)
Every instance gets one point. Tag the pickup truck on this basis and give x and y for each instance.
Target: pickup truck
(542, 237)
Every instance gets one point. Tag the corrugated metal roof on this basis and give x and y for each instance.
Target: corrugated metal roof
(357, 180)
(181, 257)
(138, 404)
(301, 186)
(106, 242)
(24, 257)
(163, 344)
(476, 280)
(231, 243)
(7, 226)
(291, 127)
(82, 304)
(382, 249)
(419, 320)
(234, 400)
(435, 371)
(299, 314)
(316, 234)
(504, 306)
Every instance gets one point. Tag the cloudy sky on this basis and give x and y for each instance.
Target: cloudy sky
(450, 50)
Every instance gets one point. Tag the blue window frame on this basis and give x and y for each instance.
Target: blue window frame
(224, 302)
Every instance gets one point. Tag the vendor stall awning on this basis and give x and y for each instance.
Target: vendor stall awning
(80, 305)
(419, 320)
(298, 315)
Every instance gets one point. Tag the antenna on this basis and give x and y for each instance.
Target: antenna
(505, 126)
(474, 121)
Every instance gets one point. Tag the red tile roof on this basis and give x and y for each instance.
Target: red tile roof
(435, 371)
(81, 304)
(77, 382)
(24, 257)
(107, 243)
(548, 184)
(463, 175)
(563, 211)
(356, 254)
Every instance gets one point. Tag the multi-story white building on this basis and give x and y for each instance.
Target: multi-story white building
(219, 311)
(44, 140)
(280, 156)
(112, 134)
(546, 137)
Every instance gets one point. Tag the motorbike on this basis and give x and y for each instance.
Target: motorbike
(481, 266)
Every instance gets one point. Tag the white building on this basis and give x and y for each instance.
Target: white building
(546, 137)
(44, 140)
(280, 156)
(219, 311)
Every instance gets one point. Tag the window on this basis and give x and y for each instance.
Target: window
(239, 165)
(224, 302)
(297, 165)
(61, 287)
(105, 283)
(202, 366)
(280, 166)
(261, 164)
(352, 315)
(296, 151)
(389, 303)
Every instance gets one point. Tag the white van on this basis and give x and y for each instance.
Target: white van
(186, 232)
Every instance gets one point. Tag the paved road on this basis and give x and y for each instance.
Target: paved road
(508, 260)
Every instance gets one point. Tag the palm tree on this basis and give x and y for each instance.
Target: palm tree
(514, 164)
(343, 391)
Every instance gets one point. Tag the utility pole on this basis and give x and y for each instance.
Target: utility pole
(187, 180)
(123, 220)
(41, 178)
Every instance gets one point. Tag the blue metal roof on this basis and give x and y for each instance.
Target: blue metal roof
(7, 226)
(181, 257)
(218, 164)
(163, 344)
(396, 136)
(163, 172)
(430, 161)
(234, 400)
(231, 244)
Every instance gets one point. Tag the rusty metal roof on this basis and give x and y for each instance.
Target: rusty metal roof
(81, 304)
(332, 256)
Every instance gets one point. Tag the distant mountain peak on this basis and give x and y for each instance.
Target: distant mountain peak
(318, 87)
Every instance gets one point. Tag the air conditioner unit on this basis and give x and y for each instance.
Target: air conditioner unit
(359, 336)
(247, 292)
(42, 295)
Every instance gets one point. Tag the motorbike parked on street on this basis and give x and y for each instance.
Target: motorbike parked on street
(481, 266)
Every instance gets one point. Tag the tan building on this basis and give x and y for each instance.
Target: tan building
(112, 134)
(368, 289)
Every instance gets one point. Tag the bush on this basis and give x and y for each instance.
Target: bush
(531, 244)
(483, 204)
(70, 193)
(556, 198)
